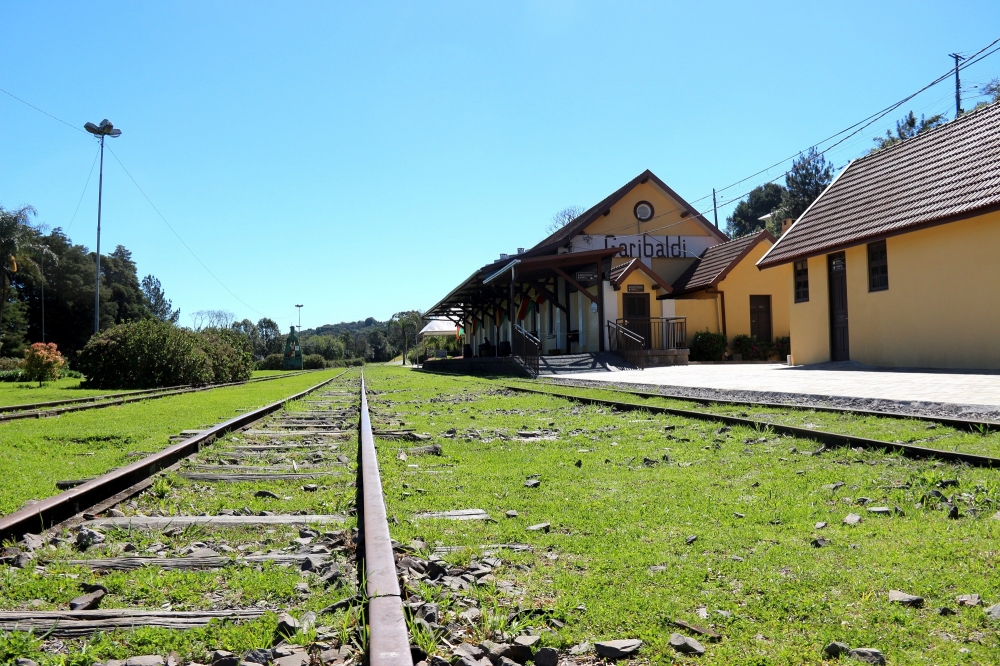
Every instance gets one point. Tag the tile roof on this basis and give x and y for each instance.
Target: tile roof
(943, 173)
(715, 263)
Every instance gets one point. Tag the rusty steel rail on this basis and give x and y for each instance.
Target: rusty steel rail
(53, 510)
(822, 436)
(954, 422)
(388, 642)
(37, 410)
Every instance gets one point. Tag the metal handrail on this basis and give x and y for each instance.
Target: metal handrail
(526, 348)
(627, 344)
(662, 333)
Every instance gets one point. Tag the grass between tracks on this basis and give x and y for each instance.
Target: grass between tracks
(907, 431)
(275, 588)
(618, 544)
(35, 453)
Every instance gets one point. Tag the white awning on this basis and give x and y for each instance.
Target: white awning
(439, 327)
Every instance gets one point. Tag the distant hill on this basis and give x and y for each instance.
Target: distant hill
(349, 326)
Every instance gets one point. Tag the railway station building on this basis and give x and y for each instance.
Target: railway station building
(895, 264)
(635, 272)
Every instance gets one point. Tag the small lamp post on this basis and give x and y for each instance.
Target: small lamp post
(102, 130)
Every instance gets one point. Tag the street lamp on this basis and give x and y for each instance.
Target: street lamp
(102, 130)
(299, 306)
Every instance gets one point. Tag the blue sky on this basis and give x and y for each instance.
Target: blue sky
(363, 158)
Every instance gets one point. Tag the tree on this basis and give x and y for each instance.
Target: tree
(804, 182)
(119, 274)
(18, 241)
(907, 128)
(761, 201)
(157, 302)
(212, 319)
(42, 362)
(269, 338)
(562, 218)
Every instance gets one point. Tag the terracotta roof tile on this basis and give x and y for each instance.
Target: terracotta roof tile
(945, 172)
(716, 262)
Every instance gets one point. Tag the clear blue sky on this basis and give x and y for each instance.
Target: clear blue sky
(363, 158)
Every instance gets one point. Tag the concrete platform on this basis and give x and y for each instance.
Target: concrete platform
(853, 380)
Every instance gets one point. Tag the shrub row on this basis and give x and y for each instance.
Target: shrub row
(707, 346)
(309, 362)
(150, 353)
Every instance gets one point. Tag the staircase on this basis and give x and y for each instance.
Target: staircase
(568, 364)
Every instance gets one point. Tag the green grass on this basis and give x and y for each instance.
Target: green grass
(614, 518)
(37, 453)
(903, 430)
(21, 393)
(268, 585)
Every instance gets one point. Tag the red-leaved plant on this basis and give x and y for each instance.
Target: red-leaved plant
(42, 361)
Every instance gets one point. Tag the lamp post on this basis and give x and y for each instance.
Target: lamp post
(299, 306)
(102, 130)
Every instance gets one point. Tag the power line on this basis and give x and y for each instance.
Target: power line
(864, 124)
(41, 111)
(186, 246)
(86, 185)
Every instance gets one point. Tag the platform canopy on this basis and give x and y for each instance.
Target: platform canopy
(438, 327)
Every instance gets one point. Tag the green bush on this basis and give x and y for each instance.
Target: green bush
(10, 363)
(230, 353)
(752, 349)
(782, 347)
(150, 353)
(313, 362)
(271, 362)
(707, 346)
(346, 363)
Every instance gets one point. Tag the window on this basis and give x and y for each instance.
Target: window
(801, 281)
(551, 320)
(878, 267)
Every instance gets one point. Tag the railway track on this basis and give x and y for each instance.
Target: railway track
(264, 501)
(39, 410)
(962, 424)
(824, 437)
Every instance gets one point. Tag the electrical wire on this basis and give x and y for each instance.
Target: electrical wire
(186, 246)
(865, 123)
(92, 165)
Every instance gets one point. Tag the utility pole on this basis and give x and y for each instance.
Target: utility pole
(42, 265)
(102, 130)
(958, 85)
(715, 209)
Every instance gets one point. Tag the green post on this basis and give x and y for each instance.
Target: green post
(293, 352)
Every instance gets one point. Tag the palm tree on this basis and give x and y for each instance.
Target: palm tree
(18, 241)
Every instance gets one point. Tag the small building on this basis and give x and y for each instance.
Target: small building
(607, 281)
(724, 292)
(293, 352)
(895, 263)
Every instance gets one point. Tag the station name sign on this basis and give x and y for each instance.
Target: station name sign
(646, 247)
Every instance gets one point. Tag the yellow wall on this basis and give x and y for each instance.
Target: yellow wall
(666, 213)
(746, 280)
(702, 314)
(638, 277)
(810, 321)
(940, 310)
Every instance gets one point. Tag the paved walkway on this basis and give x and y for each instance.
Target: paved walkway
(827, 379)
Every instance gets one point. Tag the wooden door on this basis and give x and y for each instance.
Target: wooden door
(839, 340)
(760, 318)
(636, 314)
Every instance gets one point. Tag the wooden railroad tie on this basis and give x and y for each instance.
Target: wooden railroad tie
(70, 624)
(161, 522)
